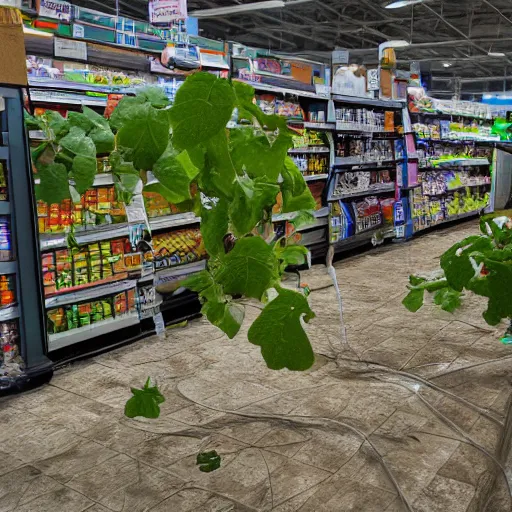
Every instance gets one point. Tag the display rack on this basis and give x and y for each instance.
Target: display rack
(22, 327)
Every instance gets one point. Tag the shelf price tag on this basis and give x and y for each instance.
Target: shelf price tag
(70, 49)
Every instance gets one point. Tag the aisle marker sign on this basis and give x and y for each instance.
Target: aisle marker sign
(167, 11)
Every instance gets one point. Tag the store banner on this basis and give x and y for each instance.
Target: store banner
(55, 9)
(167, 11)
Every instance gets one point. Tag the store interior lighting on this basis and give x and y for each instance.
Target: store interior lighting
(235, 9)
(496, 54)
(447, 65)
(403, 3)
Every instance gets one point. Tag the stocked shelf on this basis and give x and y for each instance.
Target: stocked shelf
(368, 102)
(8, 267)
(301, 151)
(258, 86)
(369, 192)
(91, 293)
(74, 336)
(452, 218)
(355, 161)
(316, 177)
(462, 162)
(49, 83)
(355, 240)
(320, 126)
(51, 96)
(95, 234)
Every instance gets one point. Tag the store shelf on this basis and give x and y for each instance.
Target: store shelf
(308, 150)
(73, 336)
(167, 274)
(173, 221)
(4, 152)
(356, 240)
(463, 162)
(7, 267)
(88, 294)
(282, 90)
(66, 85)
(452, 218)
(5, 208)
(458, 141)
(353, 162)
(369, 102)
(320, 222)
(9, 313)
(450, 115)
(316, 177)
(320, 126)
(281, 217)
(449, 191)
(369, 192)
(99, 233)
(50, 96)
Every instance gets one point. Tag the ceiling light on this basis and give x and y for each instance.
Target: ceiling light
(235, 9)
(447, 65)
(496, 54)
(403, 3)
(34, 32)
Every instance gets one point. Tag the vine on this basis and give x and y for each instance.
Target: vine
(480, 264)
(231, 178)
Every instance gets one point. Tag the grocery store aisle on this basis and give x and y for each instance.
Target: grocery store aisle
(412, 412)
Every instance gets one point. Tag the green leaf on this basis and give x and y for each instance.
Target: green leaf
(145, 402)
(202, 108)
(416, 281)
(255, 155)
(251, 200)
(79, 120)
(104, 140)
(146, 134)
(199, 281)
(214, 226)
(303, 218)
(456, 261)
(414, 300)
(448, 299)
(279, 333)
(249, 269)
(500, 289)
(175, 171)
(218, 176)
(78, 143)
(226, 315)
(125, 185)
(292, 254)
(293, 203)
(155, 96)
(31, 122)
(208, 461)
(54, 187)
(84, 170)
(128, 107)
(55, 122)
(293, 181)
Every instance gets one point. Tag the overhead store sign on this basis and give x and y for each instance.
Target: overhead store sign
(55, 9)
(167, 11)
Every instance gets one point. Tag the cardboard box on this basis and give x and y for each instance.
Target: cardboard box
(13, 67)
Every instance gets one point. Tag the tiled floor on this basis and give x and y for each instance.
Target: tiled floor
(410, 416)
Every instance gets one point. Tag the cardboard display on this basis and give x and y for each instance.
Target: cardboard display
(13, 68)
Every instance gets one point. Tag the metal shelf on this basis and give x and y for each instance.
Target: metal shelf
(4, 152)
(355, 240)
(8, 267)
(369, 102)
(9, 313)
(172, 221)
(281, 217)
(282, 90)
(98, 234)
(308, 150)
(316, 177)
(90, 293)
(352, 162)
(370, 192)
(5, 208)
(73, 336)
(320, 126)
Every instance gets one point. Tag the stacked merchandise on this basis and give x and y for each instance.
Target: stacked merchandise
(364, 120)
(11, 363)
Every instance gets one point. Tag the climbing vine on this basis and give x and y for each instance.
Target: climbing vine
(481, 264)
(231, 178)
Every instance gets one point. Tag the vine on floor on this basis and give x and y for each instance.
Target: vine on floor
(481, 264)
(230, 178)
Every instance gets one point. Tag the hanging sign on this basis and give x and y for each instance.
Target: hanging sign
(55, 9)
(167, 11)
(340, 57)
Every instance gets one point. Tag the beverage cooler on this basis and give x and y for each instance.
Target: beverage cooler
(23, 360)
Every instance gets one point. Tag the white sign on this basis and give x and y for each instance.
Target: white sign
(167, 11)
(70, 49)
(323, 90)
(78, 31)
(10, 3)
(56, 9)
(373, 81)
(340, 57)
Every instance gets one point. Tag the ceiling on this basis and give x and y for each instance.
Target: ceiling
(458, 33)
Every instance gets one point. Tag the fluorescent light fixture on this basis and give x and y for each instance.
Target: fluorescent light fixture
(395, 43)
(235, 9)
(447, 65)
(403, 3)
(34, 32)
(496, 54)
